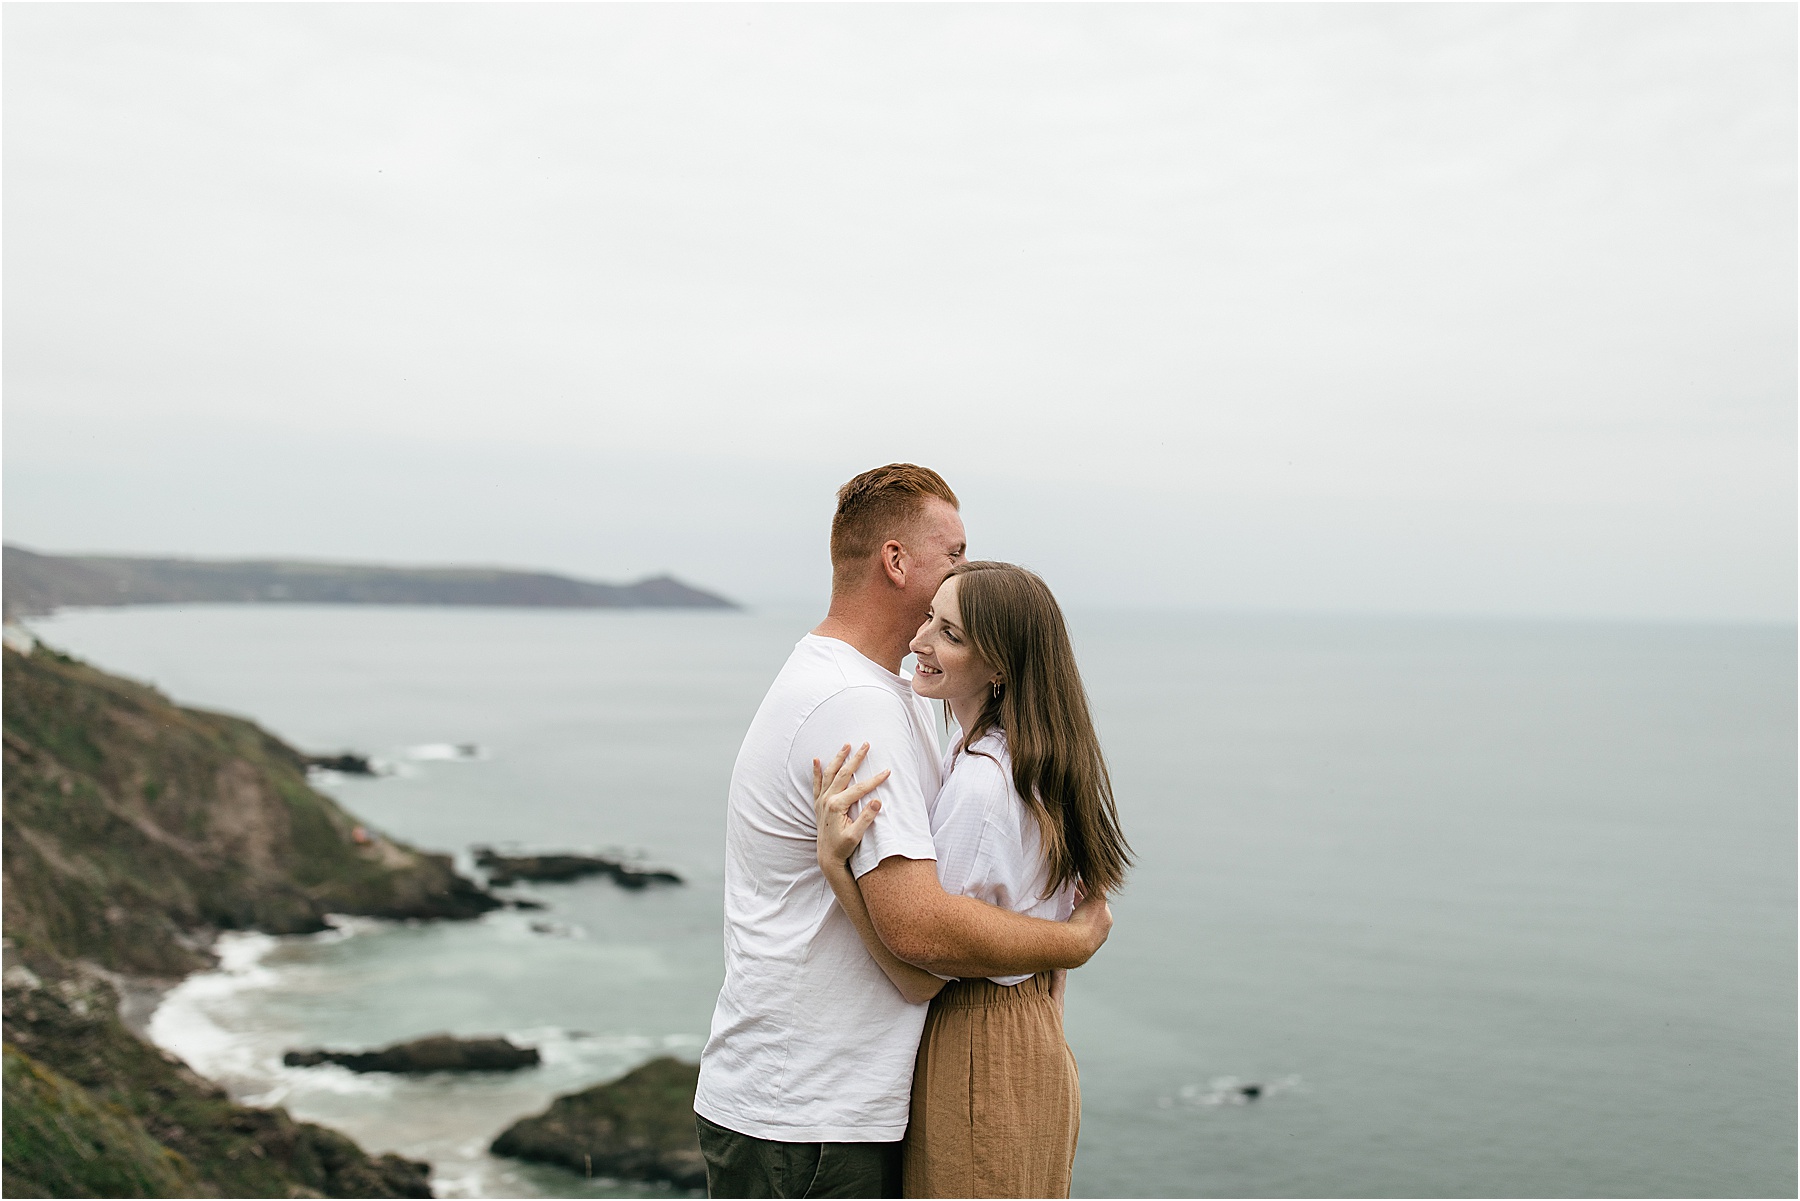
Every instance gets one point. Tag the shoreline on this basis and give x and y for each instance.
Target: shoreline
(141, 996)
(234, 1028)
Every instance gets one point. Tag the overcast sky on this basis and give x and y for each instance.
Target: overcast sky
(1410, 308)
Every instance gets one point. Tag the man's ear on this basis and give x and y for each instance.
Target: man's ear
(893, 562)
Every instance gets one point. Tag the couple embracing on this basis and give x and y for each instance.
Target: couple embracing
(899, 924)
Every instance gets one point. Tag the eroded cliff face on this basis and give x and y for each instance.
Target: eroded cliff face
(134, 830)
(133, 825)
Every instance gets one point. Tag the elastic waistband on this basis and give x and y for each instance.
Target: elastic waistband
(979, 994)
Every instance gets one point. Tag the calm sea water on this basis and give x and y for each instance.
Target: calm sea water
(1488, 909)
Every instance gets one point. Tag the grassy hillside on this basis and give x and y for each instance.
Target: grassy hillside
(67, 1144)
(134, 830)
(131, 823)
(93, 1111)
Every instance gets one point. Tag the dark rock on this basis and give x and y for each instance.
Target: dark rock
(633, 879)
(638, 1127)
(439, 1053)
(504, 870)
(524, 903)
(1251, 1091)
(346, 763)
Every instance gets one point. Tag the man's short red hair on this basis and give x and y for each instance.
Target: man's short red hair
(879, 504)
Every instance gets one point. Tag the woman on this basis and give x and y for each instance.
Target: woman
(1025, 819)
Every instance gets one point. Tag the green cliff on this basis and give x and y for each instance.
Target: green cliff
(134, 829)
(131, 823)
(68, 1144)
(93, 1111)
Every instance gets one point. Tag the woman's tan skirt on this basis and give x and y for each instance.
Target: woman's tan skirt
(996, 1104)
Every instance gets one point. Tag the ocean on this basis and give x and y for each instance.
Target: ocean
(1486, 908)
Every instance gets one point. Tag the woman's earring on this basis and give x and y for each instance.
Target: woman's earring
(996, 689)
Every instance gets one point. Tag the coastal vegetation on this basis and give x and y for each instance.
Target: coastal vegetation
(94, 1111)
(638, 1127)
(135, 829)
(131, 823)
(38, 583)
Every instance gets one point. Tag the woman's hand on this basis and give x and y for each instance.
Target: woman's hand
(834, 790)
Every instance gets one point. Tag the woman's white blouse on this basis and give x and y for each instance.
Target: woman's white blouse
(988, 844)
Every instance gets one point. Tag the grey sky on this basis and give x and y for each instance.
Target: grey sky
(1460, 308)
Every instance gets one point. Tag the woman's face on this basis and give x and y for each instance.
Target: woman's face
(949, 669)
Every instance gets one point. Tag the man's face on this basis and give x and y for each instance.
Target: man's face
(936, 545)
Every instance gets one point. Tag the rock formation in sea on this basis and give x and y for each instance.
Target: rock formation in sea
(437, 1053)
(345, 763)
(504, 870)
(638, 1127)
(134, 830)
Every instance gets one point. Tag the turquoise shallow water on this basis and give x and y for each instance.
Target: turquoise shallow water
(1488, 908)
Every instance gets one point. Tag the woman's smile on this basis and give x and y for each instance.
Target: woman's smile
(949, 669)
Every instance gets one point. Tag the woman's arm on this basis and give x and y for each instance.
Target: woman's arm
(915, 984)
(838, 836)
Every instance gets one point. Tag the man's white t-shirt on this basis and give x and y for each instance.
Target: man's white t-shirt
(989, 846)
(810, 1040)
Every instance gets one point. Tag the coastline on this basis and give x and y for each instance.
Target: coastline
(1437, 1056)
(233, 1023)
(141, 996)
(136, 831)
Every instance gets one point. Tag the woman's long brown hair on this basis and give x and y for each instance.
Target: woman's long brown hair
(1014, 624)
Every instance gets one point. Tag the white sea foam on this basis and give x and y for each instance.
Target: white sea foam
(440, 751)
(1230, 1090)
(188, 1023)
(336, 1080)
(559, 1048)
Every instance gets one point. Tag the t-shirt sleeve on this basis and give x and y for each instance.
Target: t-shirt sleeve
(966, 835)
(878, 717)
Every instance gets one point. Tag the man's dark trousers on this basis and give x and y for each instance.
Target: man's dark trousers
(742, 1165)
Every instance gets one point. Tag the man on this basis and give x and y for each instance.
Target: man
(805, 1081)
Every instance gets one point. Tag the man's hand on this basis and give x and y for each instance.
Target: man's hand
(1094, 917)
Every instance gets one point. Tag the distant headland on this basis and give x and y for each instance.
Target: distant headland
(37, 583)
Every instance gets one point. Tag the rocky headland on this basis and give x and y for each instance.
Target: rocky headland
(134, 830)
(38, 583)
(638, 1127)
